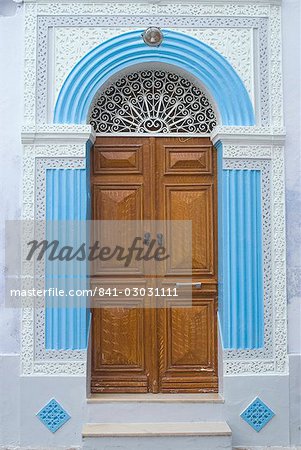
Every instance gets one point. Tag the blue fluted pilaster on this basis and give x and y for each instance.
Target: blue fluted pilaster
(67, 209)
(240, 258)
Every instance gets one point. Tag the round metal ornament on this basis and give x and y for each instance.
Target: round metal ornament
(153, 37)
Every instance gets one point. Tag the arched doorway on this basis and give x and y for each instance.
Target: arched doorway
(155, 161)
(241, 309)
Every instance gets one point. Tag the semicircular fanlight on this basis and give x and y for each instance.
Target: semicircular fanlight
(152, 101)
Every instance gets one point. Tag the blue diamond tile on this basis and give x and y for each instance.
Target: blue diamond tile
(53, 416)
(257, 414)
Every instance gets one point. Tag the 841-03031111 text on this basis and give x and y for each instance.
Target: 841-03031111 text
(96, 292)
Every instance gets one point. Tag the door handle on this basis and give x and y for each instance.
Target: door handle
(146, 238)
(198, 284)
(160, 239)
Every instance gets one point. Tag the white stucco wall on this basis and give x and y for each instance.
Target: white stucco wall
(291, 68)
(11, 111)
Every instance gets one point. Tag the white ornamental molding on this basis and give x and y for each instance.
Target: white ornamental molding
(262, 149)
(276, 66)
(64, 146)
(173, 8)
(30, 63)
(273, 357)
(267, 158)
(235, 44)
(72, 37)
(63, 134)
(47, 151)
(239, 136)
(189, 14)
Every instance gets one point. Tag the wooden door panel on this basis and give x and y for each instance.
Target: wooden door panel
(188, 159)
(187, 191)
(188, 332)
(118, 202)
(188, 345)
(119, 347)
(195, 203)
(118, 158)
(121, 326)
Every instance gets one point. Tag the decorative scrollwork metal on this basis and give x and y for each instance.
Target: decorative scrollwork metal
(152, 101)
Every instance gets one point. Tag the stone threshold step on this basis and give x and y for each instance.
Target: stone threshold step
(155, 398)
(156, 429)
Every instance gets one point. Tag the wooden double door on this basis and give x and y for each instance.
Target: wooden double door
(136, 348)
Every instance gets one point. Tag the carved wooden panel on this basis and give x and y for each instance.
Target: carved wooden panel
(188, 335)
(189, 159)
(117, 202)
(118, 158)
(119, 346)
(188, 346)
(191, 202)
(187, 191)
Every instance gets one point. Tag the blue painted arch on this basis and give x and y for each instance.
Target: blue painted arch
(188, 53)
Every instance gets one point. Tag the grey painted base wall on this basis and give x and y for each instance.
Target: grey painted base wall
(80, 448)
(22, 397)
(159, 443)
(267, 448)
(240, 391)
(295, 399)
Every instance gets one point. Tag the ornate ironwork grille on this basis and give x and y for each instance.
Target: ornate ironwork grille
(152, 101)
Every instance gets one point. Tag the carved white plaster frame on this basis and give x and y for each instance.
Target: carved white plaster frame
(262, 149)
(48, 147)
(258, 75)
(239, 143)
(183, 15)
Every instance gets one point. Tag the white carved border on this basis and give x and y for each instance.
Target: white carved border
(71, 43)
(246, 148)
(48, 146)
(264, 156)
(108, 26)
(30, 63)
(260, 160)
(238, 362)
(189, 13)
(54, 142)
(147, 9)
